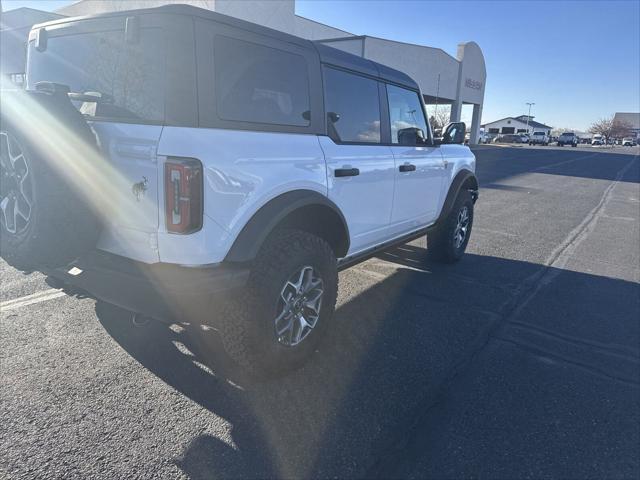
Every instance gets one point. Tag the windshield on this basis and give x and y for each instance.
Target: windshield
(539, 133)
(567, 135)
(129, 78)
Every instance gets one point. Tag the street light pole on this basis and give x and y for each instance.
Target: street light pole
(529, 116)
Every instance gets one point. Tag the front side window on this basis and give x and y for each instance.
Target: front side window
(127, 78)
(259, 84)
(406, 116)
(352, 107)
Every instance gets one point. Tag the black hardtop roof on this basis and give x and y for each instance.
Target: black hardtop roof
(339, 58)
(327, 54)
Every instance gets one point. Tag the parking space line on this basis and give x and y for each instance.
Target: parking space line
(37, 297)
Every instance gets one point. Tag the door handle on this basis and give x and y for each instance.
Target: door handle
(346, 172)
(407, 167)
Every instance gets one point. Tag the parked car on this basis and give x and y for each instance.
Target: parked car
(508, 138)
(482, 138)
(539, 138)
(628, 142)
(568, 138)
(525, 137)
(597, 140)
(228, 166)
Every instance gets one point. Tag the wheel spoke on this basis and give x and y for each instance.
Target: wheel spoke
(288, 322)
(4, 206)
(5, 156)
(18, 211)
(302, 327)
(313, 301)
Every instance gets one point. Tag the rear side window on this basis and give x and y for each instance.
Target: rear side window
(352, 107)
(129, 79)
(259, 84)
(405, 115)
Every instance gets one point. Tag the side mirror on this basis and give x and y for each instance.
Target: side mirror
(454, 133)
(411, 136)
(41, 40)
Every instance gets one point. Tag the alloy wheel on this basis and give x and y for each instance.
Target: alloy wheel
(16, 195)
(299, 306)
(462, 227)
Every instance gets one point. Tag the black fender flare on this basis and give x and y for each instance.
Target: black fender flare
(276, 211)
(463, 179)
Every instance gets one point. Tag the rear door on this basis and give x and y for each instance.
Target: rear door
(120, 87)
(360, 170)
(420, 169)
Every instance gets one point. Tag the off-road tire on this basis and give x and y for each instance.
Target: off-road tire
(247, 325)
(61, 224)
(440, 242)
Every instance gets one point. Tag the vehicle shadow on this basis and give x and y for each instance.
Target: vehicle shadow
(397, 340)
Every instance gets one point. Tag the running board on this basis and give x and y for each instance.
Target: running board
(352, 260)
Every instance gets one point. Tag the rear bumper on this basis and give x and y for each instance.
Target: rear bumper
(163, 291)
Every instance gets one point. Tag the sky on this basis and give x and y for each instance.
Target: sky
(579, 60)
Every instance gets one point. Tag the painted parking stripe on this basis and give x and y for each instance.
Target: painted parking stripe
(38, 297)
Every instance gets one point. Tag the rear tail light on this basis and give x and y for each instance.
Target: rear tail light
(183, 195)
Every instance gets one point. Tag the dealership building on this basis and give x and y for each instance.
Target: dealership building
(519, 124)
(447, 81)
(631, 120)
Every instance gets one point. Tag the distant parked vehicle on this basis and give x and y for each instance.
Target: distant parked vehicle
(508, 138)
(482, 138)
(539, 138)
(628, 142)
(568, 138)
(525, 137)
(597, 140)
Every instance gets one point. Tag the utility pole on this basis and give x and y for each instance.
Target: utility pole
(529, 116)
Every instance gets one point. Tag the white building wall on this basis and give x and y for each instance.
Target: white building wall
(276, 14)
(421, 63)
(94, 7)
(517, 124)
(305, 28)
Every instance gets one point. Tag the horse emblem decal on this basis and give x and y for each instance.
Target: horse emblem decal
(140, 188)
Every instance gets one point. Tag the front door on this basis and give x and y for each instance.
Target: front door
(420, 168)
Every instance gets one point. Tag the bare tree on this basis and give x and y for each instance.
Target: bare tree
(621, 129)
(609, 128)
(439, 118)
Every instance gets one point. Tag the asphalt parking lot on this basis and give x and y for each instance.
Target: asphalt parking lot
(521, 361)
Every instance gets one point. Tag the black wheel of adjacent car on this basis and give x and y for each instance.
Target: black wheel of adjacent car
(448, 241)
(275, 324)
(44, 221)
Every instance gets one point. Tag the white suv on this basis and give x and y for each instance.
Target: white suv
(214, 161)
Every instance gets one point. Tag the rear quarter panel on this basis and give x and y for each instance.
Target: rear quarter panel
(243, 170)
